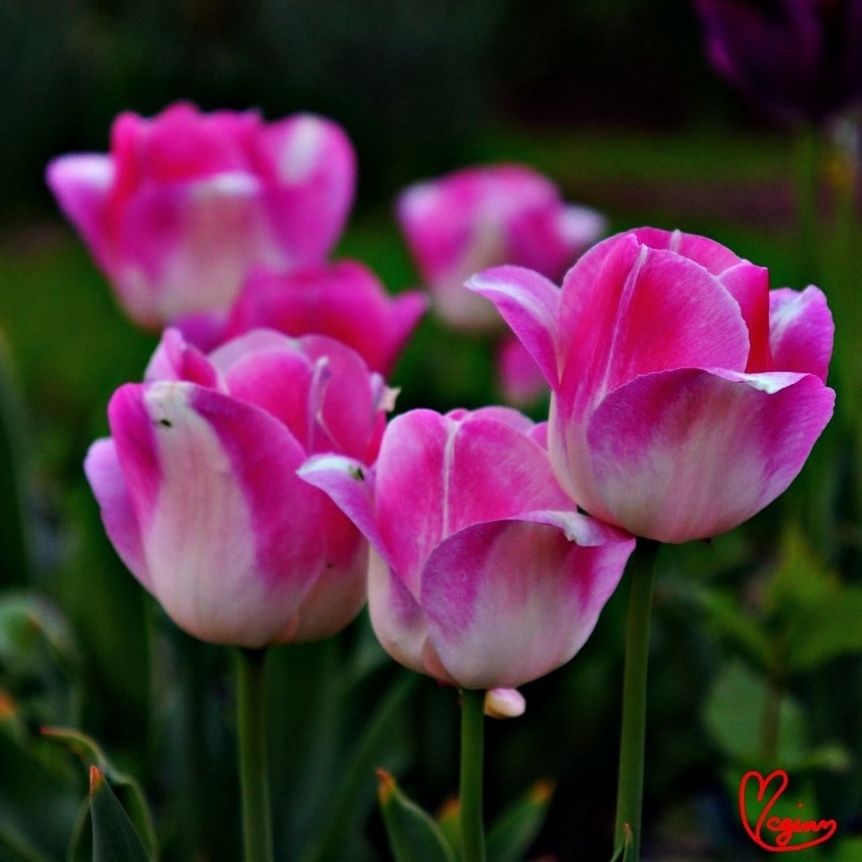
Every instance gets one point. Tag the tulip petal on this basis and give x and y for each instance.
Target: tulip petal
(689, 454)
(81, 184)
(437, 475)
(398, 622)
(213, 484)
(350, 485)
(344, 301)
(529, 303)
(510, 601)
(102, 467)
(186, 248)
(311, 171)
(801, 331)
(628, 309)
(176, 359)
(518, 376)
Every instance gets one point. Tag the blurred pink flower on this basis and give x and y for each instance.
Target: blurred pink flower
(186, 204)
(344, 300)
(482, 572)
(199, 494)
(480, 217)
(686, 395)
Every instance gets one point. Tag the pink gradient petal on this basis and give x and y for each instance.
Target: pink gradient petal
(801, 331)
(176, 359)
(747, 283)
(518, 375)
(339, 593)
(344, 301)
(350, 484)
(105, 476)
(231, 535)
(529, 303)
(351, 417)
(185, 249)
(501, 703)
(639, 311)
(437, 475)
(281, 382)
(689, 453)
(81, 184)
(481, 586)
(310, 168)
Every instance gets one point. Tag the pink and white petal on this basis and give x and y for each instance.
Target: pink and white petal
(689, 454)
(186, 248)
(630, 310)
(233, 539)
(510, 601)
(340, 591)
(310, 167)
(281, 382)
(204, 330)
(82, 184)
(176, 359)
(529, 303)
(350, 485)
(507, 415)
(397, 619)
(350, 419)
(801, 331)
(248, 344)
(437, 475)
(105, 476)
(519, 378)
(748, 284)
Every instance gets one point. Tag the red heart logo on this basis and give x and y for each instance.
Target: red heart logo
(783, 828)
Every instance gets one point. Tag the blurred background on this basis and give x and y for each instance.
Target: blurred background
(757, 641)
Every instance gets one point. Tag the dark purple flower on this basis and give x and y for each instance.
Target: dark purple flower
(801, 59)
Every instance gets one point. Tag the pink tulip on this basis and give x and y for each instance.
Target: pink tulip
(686, 395)
(198, 489)
(482, 572)
(486, 216)
(344, 300)
(186, 204)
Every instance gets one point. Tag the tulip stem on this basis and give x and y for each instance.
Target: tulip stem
(472, 756)
(631, 777)
(254, 777)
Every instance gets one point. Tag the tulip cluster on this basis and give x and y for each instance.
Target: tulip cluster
(252, 485)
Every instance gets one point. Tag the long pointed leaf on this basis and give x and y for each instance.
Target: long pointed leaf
(114, 836)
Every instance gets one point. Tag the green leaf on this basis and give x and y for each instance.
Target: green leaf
(133, 796)
(343, 807)
(114, 836)
(827, 629)
(449, 822)
(734, 716)
(413, 834)
(516, 829)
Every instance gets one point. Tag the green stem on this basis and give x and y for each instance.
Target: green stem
(472, 756)
(631, 777)
(254, 778)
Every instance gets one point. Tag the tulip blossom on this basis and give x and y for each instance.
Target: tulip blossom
(801, 58)
(186, 204)
(486, 216)
(686, 395)
(344, 300)
(199, 494)
(482, 573)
